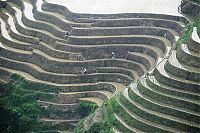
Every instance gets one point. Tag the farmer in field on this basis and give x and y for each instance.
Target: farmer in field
(113, 55)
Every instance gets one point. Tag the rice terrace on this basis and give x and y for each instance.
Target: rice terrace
(100, 66)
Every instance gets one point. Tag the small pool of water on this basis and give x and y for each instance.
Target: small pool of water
(195, 36)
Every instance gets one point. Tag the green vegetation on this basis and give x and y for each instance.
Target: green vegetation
(165, 99)
(159, 108)
(19, 108)
(79, 127)
(86, 107)
(32, 86)
(107, 124)
(186, 34)
(149, 116)
(188, 30)
(109, 119)
(198, 23)
(54, 113)
(111, 106)
(196, 1)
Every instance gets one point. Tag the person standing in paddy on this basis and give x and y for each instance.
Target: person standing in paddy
(113, 55)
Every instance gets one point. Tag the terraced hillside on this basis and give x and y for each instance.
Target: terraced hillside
(167, 100)
(46, 43)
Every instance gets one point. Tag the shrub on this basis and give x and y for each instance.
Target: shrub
(86, 107)
(110, 106)
(20, 110)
